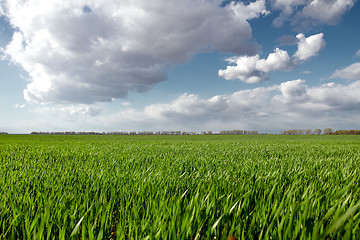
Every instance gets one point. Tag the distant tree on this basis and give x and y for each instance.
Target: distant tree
(328, 131)
(317, 131)
(292, 132)
(342, 132)
(300, 132)
(308, 131)
(347, 132)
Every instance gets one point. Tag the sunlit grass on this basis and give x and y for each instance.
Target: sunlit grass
(179, 187)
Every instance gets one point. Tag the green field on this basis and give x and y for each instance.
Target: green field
(179, 187)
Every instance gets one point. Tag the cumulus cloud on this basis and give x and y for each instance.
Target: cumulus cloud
(309, 47)
(351, 72)
(290, 96)
(252, 69)
(293, 91)
(279, 106)
(305, 14)
(93, 51)
(187, 105)
(289, 105)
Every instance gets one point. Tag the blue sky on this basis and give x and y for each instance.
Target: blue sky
(191, 65)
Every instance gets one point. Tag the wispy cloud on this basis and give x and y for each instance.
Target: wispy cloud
(351, 72)
(357, 54)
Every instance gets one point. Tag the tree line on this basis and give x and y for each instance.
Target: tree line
(317, 131)
(239, 132)
(346, 132)
(326, 131)
(117, 133)
(227, 132)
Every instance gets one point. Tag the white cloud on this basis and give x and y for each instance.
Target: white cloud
(293, 91)
(325, 12)
(126, 104)
(291, 101)
(292, 104)
(78, 110)
(251, 11)
(252, 69)
(20, 105)
(357, 54)
(86, 51)
(287, 7)
(278, 60)
(305, 14)
(336, 97)
(309, 47)
(351, 72)
(245, 70)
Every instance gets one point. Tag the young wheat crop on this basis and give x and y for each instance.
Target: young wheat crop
(179, 187)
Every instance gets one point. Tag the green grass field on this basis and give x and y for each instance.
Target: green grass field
(179, 187)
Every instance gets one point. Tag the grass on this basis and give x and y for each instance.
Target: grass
(179, 187)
